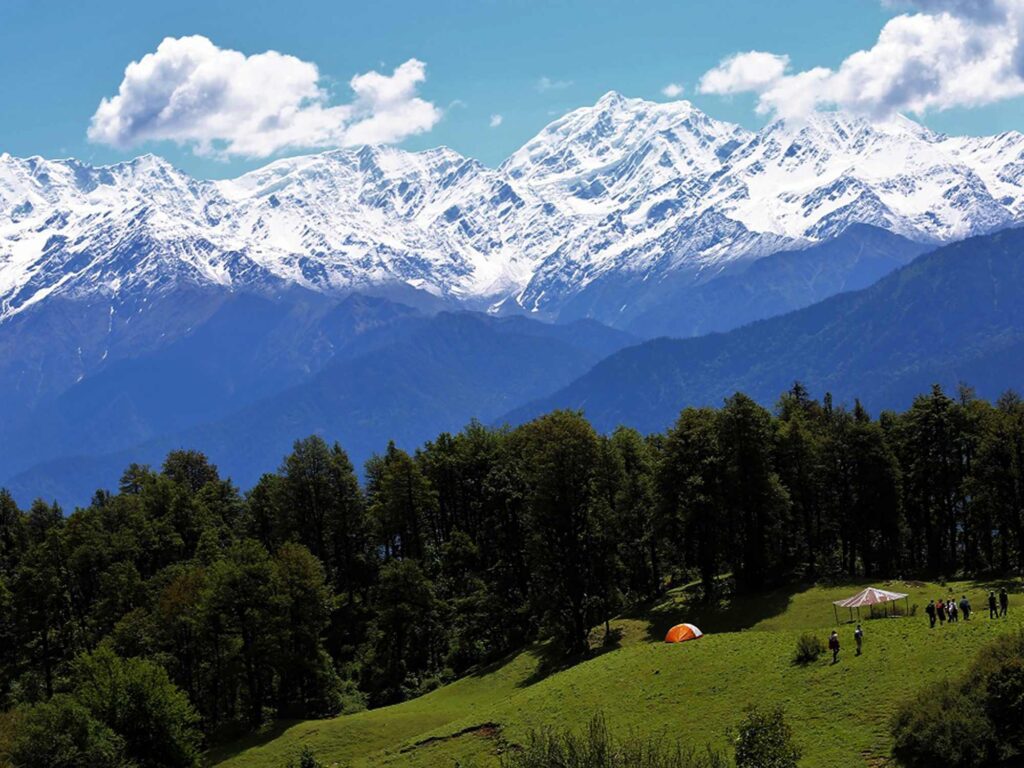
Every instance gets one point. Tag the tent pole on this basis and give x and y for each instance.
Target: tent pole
(836, 612)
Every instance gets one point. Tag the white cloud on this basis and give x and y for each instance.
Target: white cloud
(224, 103)
(495, 121)
(751, 71)
(672, 90)
(945, 54)
(547, 84)
(987, 10)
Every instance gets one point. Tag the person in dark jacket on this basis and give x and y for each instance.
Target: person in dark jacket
(993, 611)
(833, 645)
(858, 636)
(929, 608)
(940, 609)
(965, 608)
(1004, 601)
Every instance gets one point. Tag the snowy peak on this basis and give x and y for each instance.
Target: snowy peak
(624, 191)
(595, 140)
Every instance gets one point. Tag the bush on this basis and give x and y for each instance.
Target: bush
(61, 733)
(808, 648)
(945, 724)
(999, 671)
(597, 748)
(136, 699)
(765, 740)
(971, 722)
(306, 760)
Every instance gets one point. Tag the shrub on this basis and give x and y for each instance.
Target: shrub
(944, 724)
(765, 740)
(971, 722)
(306, 760)
(61, 733)
(598, 748)
(808, 648)
(136, 699)
(1004, 702)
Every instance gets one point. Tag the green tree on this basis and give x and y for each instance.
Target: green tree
(402, 502)
(62, 733)
(136, 700)
(753, 494)
(997, 485)
(41, 598)
(799, 462)
(561, 457)
(691, 497)
(241, 612)
(634, 528)
(307, 683)
(407, 642)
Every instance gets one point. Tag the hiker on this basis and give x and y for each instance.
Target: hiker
(833, 645)
(952, 611)
(1004, 601)
(929, 608)
(858, 636)
(993, 612)
(965, 608)
(940, 608)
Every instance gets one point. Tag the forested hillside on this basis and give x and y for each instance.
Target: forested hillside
(951, 315)
(178, 610)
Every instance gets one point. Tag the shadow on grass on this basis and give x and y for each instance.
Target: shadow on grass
(730, 615)
(551, 659)
(1011, 584)
(226, 749)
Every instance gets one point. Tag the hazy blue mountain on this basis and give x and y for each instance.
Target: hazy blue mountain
(773, 285)
(141, 307)
(405, 381)
(953, 315)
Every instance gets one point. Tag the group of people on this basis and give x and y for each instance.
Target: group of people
(942, 611)
(950, 610)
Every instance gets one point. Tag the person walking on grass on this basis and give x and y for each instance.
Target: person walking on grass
(858, 636)
(965, 608)
(993, 611)
(940, 608)
(833, 645)
(952, 611)
(929, 608)
(1004, 601)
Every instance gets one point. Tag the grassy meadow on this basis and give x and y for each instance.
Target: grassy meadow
(695, 691)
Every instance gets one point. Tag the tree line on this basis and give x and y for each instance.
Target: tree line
(315, 592)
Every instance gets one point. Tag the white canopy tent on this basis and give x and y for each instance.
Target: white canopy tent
(869, 596)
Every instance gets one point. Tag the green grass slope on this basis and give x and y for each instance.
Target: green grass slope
(695, 691)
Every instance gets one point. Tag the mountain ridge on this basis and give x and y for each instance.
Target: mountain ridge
(951, 316)
(626, 190)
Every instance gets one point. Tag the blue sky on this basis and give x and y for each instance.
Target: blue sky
(480, 59)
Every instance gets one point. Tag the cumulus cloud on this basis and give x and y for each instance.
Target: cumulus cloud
(942, 54)
(495, 121)
(225, 103)
(547, 84)
(751, 71)
(672, 90)
(986, 10)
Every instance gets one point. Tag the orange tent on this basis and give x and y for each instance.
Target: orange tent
(680, 633)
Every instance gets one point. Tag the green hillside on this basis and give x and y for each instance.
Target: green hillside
(695, 691)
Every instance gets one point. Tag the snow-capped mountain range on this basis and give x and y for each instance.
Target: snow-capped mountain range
(626, 190)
